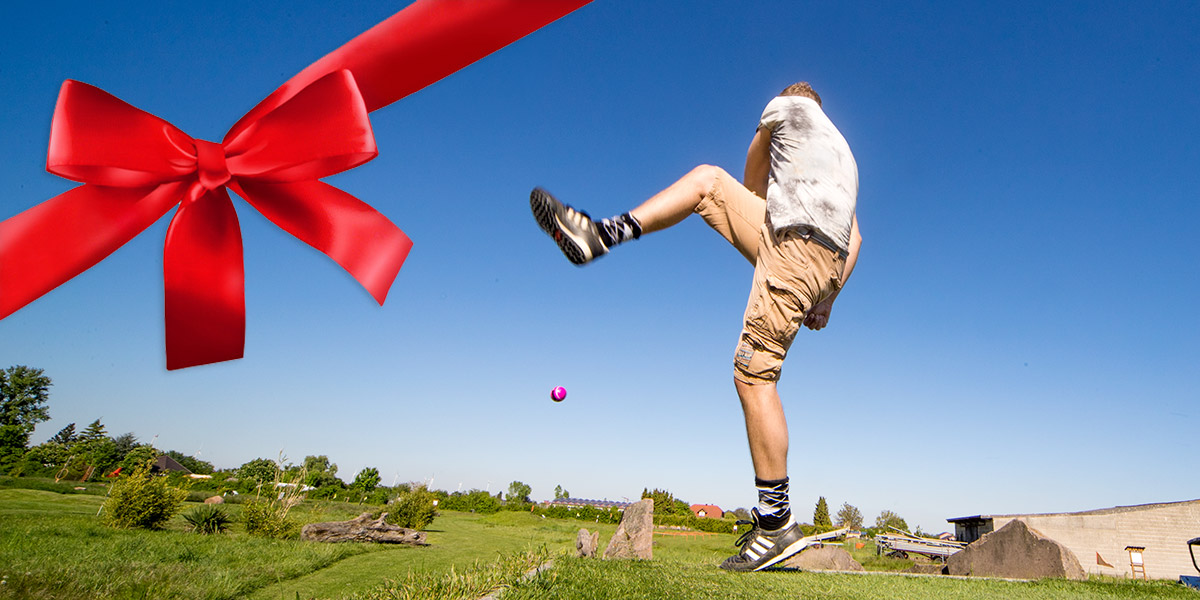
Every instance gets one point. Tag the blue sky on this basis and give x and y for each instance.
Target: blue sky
(1020, 334)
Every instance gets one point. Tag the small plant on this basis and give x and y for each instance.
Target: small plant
(264, 518)
(266, 514)
(207, 519)
(142, 500)
(414, 509)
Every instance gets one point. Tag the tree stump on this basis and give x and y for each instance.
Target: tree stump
(362, 529)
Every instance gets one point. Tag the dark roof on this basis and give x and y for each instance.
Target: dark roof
(166, 463)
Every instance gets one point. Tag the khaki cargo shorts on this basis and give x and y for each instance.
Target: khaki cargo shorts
(791, 274)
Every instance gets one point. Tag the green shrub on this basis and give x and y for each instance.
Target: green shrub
(142, 500)
(414, 509)
(265, 518)
(476, 501)
(697, 523)
(207, 519)
(581, 513)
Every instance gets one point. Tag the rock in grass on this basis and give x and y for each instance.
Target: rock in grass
(1018, 552)
(214, 500)
(823, 558)
(587, 543)
(635, 535)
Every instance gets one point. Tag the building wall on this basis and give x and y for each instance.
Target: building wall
(1164, 529)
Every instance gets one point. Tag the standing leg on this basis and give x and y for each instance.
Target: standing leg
(766, 429)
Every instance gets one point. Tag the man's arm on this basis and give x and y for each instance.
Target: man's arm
(818, 316)
(758, 162)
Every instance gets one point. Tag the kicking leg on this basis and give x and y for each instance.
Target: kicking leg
(582, 240)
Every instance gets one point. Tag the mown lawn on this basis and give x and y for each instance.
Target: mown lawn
(53, 545)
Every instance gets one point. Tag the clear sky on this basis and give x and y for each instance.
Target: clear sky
(1020, 334)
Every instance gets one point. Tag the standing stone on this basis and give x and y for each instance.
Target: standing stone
(1018, 552)
(635, 535)
(587, 543)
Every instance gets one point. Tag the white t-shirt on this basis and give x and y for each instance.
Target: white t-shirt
(814, 179)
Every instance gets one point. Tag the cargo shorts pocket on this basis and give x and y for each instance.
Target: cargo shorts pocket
(774, 315)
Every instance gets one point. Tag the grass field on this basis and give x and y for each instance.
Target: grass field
(52, 545)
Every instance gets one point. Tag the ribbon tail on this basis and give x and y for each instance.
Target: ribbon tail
(423, 43)
(204, 283)
(359, 238)
(43, 247)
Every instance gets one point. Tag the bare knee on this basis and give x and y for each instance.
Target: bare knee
(704, 178)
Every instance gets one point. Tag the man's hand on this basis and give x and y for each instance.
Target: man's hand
(818, 317)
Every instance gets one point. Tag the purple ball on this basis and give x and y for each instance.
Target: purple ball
(558, 394)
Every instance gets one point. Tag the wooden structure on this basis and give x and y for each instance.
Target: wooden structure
(1136, 560)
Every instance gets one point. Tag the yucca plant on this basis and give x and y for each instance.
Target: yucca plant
(207, 519)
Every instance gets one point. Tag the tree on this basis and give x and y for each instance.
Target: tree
(24, 392)
(65, 436)
(849, 516)
(320, 472)
(560, 493)
(125, 443)
(94, 431)
(666, 504)
(519, 492)
(259, 470)
(821, 515)
(888, 519)
(367, 480)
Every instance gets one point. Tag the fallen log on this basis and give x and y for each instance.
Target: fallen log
(362, 529)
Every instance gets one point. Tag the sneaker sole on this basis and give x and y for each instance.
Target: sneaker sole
(796, 547)
(548, 213)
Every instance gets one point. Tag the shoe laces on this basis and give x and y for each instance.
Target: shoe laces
(749, 534)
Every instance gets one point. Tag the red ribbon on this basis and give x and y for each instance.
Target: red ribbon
(136, 167)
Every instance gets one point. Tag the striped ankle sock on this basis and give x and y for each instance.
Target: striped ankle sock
(774, 510)
(619, 229)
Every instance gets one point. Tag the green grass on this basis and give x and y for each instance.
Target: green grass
(52, 545)
(672, 579)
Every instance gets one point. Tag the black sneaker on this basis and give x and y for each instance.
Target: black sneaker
(576, 234)
(761, 548)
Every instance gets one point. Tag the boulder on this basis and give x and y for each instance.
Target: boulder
(1018, 552)
(587, 543)
(635, 535)
(823, 558)
(214, 500)
(362, 529)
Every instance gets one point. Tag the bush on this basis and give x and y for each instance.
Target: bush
(207, 519)
(142, 500)
(582, 513)
(693, 522)
(414, 510)
(265, 519)
(476, 501)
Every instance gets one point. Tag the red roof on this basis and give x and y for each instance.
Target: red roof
(710, 511)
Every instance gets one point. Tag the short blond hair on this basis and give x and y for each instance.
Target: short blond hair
(801, 89)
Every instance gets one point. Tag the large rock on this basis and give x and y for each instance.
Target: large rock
(1018, 552)
(823, 558)
(635, 535)
(587, 543)
(214, 500)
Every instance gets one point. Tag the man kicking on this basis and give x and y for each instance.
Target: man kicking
(794, 220)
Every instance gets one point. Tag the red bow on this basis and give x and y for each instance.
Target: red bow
(137, 167)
